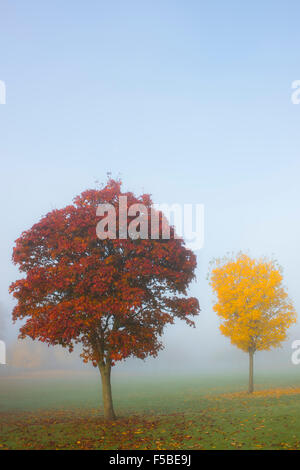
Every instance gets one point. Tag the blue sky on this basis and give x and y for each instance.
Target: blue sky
(190, 101)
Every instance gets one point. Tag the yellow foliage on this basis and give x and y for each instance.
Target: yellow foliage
(252, 303)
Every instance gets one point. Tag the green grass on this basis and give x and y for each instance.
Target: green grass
(179, 413)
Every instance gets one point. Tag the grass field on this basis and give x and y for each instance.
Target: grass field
(179, 413)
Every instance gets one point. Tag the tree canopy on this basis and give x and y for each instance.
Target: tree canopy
(114, 296)
(252, 303)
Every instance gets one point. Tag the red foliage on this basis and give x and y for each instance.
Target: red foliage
(113, 296)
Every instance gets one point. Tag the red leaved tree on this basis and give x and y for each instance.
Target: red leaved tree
(113, 295)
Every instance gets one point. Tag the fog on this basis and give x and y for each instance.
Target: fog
(201, 117)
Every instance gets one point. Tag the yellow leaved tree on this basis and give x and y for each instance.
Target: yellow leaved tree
(252, 303)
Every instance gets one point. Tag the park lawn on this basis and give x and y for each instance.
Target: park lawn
(161, 415)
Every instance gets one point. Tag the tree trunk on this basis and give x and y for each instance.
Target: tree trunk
(105, 370)
(251, 355)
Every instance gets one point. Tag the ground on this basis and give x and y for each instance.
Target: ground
(181, 413)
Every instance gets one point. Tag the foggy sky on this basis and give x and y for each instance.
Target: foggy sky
(189, 103)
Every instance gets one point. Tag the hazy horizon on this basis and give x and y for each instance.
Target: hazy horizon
(192, 105)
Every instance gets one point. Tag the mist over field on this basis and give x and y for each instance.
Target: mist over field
(196, 104)
(160, 118)
(187, 350)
